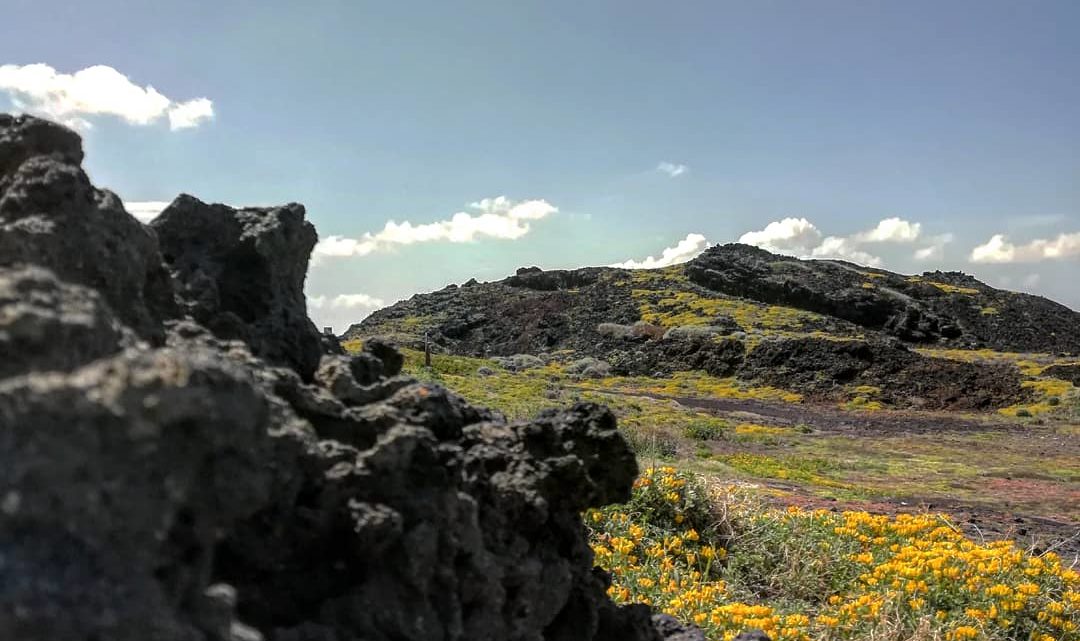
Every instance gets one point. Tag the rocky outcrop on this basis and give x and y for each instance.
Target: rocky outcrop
(820, 367)
(233, 482)
(948, 307)
(716, 356)
(50, 215)
(1069, 373)
(240, 272)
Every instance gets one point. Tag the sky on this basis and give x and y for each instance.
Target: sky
(433, 142)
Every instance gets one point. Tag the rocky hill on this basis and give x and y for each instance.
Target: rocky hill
(814, 326)
(184, 458)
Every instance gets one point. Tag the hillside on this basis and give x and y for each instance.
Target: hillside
(825, 329)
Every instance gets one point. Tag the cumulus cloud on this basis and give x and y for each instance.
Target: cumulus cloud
(686, 249)
(787, 236)
(96, 91)
(672, 169)
(935, 250)
(843, 248)
(145, 210)
(342, 310)
(1000, 250)
(493, 218)
(802, 238)
(891, 230)
(191, 113)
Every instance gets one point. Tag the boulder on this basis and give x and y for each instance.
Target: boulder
(240, 272)
(51, 216)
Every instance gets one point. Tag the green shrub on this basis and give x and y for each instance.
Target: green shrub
(705, 430)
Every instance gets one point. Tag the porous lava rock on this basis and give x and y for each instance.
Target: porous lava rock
(51, 216)
(820, 367)
(238, 485)
(240, 272)
(47, 324)
(1069, 372)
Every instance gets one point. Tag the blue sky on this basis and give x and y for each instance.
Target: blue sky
(958, 118)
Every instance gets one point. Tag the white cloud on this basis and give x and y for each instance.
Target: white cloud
(891, 230)
(800, 237)
(844, 249)
(672, 169)
(1000, 250)
(936, 249)
(787, 236)
(342, 310)
(685, 250)
(190, 114)
(146, 210)
(1032, 280)
(95, 91)
(496, 218)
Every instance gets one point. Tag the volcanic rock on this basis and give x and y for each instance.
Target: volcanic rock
(51, 216)
(240, 272)
(219, 484)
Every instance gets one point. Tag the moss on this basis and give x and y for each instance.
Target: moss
(1048, 394)
(688, 308)
(750, 429)
(811, 470)
(694, 385)
(945, 287)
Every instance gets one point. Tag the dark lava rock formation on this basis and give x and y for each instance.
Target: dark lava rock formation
(817, 366)
(50, 215)
(542, 311)
(180, 460)
(943, 307)
(241, 273)
(1069, 373)
(817, 327)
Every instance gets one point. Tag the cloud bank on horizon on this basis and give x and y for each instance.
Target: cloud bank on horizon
(685, 250)
(800, 237)
(100, 90)
(1000, 250)
(499, 218)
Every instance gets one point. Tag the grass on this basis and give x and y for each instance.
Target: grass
(945, 287)
(686, 308)
(711, 543)
(1048, 396)
(722, 560)
(692, 384)
(911, 466)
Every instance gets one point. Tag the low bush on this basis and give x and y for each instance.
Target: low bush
(519, 362)
(589, 367)
(705, 430)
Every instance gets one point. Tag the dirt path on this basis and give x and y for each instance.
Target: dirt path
(830, 419)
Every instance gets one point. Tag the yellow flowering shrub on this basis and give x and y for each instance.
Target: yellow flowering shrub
(820, 575)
